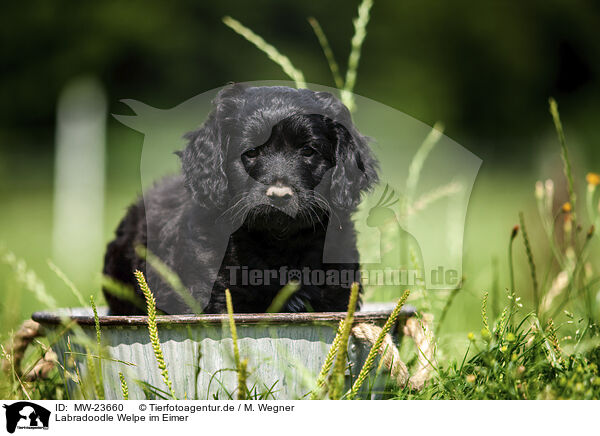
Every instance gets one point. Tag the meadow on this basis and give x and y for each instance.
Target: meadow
(523, 324)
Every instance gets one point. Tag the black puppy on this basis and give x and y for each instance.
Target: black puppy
(268, 187)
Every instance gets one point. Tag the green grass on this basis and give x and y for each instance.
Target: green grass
(511, 332)
(516, 363)
(516, 356)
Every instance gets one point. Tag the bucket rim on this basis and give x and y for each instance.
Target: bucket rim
(370, 313)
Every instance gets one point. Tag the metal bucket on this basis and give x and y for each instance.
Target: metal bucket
(285, 352)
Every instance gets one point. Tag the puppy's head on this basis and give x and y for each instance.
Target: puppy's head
(278, 157)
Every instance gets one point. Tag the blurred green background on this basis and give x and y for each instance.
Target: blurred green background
(484, 69)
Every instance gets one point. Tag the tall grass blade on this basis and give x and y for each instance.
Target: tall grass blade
(93, 375)
(329, 359)
(484, 315)
(564, 152)
(511, 267)
(273, 54)
(124, 388)
(333, 66)
(376, 348)
(122, 291)
(283, 296)
(28, 279)
(416, 165)
(453, 293)
(360, 32)
(556, 357)
(241, 366)
(61, 275)
(100, 384)
(337, 377)
(153, 331)
(432, 196)
(171, 278)
(530, 259)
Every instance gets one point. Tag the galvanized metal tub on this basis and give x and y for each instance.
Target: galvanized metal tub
(285, 351)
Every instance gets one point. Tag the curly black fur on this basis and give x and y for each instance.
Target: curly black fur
(217, 214)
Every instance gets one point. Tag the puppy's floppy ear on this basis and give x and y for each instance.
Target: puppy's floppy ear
(203, 165)
(203, 161)
(355, 169)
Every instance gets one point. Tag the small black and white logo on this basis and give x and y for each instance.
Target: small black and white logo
(26, 415)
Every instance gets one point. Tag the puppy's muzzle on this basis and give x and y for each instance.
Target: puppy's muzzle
(279, 193)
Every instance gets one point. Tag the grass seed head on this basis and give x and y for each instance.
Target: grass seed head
(485, 334)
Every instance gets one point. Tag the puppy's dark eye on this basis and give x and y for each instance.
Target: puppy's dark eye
(253, 152)
(307, 151)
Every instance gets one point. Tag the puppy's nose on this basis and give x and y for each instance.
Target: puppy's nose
(279, 193)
